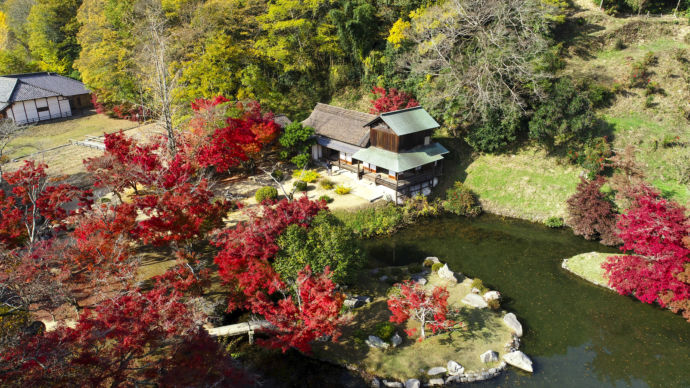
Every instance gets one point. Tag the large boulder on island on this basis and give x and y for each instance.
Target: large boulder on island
(512, 322)
(454, 368)
(446, 274)
(412, 383)
(489, 356)
(519, 360)
(492, 295)
(475, 300)
(376, 342)
(396, 340)
(437, 370)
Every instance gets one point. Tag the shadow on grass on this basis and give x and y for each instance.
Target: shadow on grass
(478, 324)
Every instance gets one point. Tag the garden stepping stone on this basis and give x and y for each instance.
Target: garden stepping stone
(393, 384)
(519, 360)
(437, 370)
(512, 322)
(489, 356)
(436, 382)
(475, 300)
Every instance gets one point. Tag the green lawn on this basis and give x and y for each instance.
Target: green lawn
(588, 266)
(483, 330)
(44, 136)
(528, 185)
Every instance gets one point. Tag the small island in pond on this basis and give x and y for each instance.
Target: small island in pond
(473, 349)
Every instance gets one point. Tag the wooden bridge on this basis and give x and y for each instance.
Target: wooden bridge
(240, 329)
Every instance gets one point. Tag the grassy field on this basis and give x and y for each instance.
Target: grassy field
(483, 330)
(588, 266)
(44, 136)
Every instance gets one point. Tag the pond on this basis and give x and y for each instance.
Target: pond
(577, 334)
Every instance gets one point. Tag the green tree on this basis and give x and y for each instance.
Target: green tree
(564, 119)
(52, 26)
(327, 242)
(106, 61)
(358, 28)
(296, 142)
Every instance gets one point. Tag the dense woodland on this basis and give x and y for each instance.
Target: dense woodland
(486, 69)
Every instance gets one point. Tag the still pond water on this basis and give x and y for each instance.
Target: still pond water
(577, 334)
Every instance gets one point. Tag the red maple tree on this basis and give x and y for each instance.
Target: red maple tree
(656, 230)
(428, 308)
(139, 338)
(390, 100)
(300, 312)
(43, 206)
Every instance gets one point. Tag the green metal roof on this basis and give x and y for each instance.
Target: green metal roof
(403, 161)
(407, 121)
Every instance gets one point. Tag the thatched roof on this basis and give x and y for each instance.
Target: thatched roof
(340, 124)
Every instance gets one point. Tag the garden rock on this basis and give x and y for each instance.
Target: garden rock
(437, 370)
(512, 322)
(520, 360)
(419, 280)
(454, 368)
(475, 300)
(412, 383)
(453, 379)
(430, 261)
(393, 384)
(353, 303)
(475, 290)
(436, 382)
(376, 342)
(492, 295)
(396, 340)
(488, 356)
(445, 273)
(375, 383)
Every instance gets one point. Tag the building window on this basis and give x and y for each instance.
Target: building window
(43, 109)
(427, 140)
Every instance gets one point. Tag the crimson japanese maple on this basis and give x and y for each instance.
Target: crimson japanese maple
(12, 232)
(591, 214)
(137, 338)
(428, 308)
(301, 311)
(656, 230)
(43, 206)
(390, 100)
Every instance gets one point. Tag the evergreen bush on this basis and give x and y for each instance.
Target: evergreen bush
(266, 192)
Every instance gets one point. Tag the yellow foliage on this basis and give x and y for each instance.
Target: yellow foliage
(3, 31)
(396, 34)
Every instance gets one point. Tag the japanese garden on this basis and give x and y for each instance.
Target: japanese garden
(348, 193)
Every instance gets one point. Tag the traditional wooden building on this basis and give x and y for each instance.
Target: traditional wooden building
(33, 97)
(393, 150)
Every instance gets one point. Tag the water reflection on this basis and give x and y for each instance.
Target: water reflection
(578, 334)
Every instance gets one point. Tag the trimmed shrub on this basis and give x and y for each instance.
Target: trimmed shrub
(308, 176)
(479, 284)
(266, 192)
(301, 186)
(554, 222)
(384, 330)
(342, 190)
(326, 199)
(591, 214)
(436, 267)
(326, 184)
(592, 156)
(461, 201)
